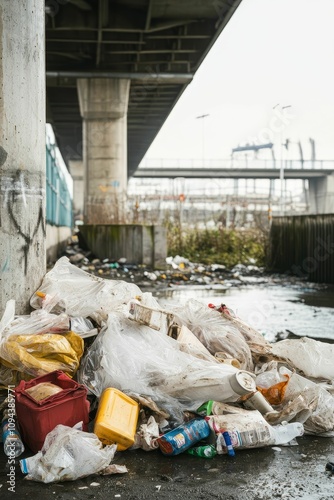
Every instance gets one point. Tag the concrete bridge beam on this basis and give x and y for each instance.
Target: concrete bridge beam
(103, 107)
(22, 151)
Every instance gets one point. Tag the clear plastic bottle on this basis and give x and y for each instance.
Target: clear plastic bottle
(12, 442)
(283, 434)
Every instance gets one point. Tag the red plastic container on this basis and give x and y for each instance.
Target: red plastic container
(37, 419)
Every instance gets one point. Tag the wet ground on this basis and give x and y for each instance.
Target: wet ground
(295, 472)
(277, 306)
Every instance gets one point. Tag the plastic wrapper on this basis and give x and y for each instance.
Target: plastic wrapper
(311, 357)
(77, 293)
(306, 402)
(38, 322)
(134, 358)
(146, 436)
(272, 385)
(36, 355)
(246, 430)
(215, 332)
(67, 454)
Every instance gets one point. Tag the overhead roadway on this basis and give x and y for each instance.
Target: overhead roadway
(157, 44)
(232, 173)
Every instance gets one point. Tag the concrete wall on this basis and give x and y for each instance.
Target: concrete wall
(56, 241)
(22, 150)
(138, 244)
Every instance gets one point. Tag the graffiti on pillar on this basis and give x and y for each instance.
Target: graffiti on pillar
(3, 156)
(18, 196)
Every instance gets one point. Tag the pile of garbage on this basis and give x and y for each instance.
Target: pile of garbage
(177, 271)
(99, 366)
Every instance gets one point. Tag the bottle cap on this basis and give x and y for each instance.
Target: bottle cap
(242, 383)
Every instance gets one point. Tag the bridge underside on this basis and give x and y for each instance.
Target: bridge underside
(157, 44)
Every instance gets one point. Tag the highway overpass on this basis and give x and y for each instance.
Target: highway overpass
(231, 173)
(157, 45)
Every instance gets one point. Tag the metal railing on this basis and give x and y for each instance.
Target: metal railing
(235, 163)
(58, 198)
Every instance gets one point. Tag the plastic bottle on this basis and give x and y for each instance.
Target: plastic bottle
(183, 437)
(207, 451)
(283, 434)
(205, 409)
(12, 442)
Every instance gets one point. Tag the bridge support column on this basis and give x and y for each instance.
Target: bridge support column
(321, 195)
(22, 151)
(77, 172)
(103, 107)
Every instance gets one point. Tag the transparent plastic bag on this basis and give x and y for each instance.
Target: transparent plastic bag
(306, 402)
(77, 293)
(36, 355)
(311, 357)
(272, 385)
(68, 454)
(215, 332)
(134, 358)
(37, 322)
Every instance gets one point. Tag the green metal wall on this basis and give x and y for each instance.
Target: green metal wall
(58, 199)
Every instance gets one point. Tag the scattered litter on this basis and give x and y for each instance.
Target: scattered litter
(114, 469)
(158, 378)
(67, 454)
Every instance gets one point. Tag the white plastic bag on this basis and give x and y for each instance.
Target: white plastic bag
(38, 322)
(311, 357)
(68, 454)
(306, 402)
(78, 293)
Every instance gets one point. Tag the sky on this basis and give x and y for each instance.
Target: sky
(272, 53)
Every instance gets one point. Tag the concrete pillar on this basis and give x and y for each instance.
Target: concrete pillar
(22, 151)
(77, 173)
(103, 107)
(321, 195)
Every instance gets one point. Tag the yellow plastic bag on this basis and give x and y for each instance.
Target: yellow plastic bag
(35, 355)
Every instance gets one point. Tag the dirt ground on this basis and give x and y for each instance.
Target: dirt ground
(285, 472)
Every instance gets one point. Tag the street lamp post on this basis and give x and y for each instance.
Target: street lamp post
(281, 173)
(203, 138)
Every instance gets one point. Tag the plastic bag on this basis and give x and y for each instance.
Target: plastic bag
(36, 355)
(37, 322)
(83, 327)
(311, 357)
(215, 332)
(272, 385)
(134, 358)
(306, 402)
(256, 342)
(78, 293)
(68, 454)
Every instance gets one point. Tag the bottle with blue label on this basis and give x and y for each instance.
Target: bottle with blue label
(183, 437)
